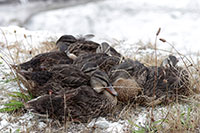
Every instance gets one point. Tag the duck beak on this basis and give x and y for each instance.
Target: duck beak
(112, 91)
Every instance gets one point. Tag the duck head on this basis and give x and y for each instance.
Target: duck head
(100, 83)
(170, 61)
(103, 48)
(99, 80)
(64, 42)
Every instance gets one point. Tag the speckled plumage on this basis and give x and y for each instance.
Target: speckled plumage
(126, 78)
(54, 79)
(169, 83)
(76, 46)
(79, 105)
(102, 60)
(45, 60)
(165, 82)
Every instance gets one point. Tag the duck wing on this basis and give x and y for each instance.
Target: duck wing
(81, 47)
(69, 76)
(56, 78)
(45, 60)
(102, 60)
(95, 58)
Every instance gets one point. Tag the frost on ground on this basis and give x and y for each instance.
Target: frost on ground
(24, 44)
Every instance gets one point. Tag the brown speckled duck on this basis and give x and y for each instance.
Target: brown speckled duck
(81, 104)
(53, 79)
(81, 46)
(105, 58)
(62, 77)
(102, 60)
(76, 46)
(65, 91)
(64, 42)
(169, 81)
(107, 49)
(45, 60)
(74, 95)
(124, 79)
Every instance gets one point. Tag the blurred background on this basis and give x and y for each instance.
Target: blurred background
(125, 20)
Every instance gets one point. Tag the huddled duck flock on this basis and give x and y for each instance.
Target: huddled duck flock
(82, 79)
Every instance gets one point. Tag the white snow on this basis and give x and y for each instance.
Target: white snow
(129, 20)
(109, 126)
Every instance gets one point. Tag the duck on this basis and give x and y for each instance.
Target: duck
(168, 80)
(102, 60)
(170, 61)
(104, 47)
(125, 79)
(151, 85)
(79, 105)
(60, 77)
(76, 46)
(105, 58)
(45, 60)
(64, 42)
(129, 68)
(81, 96)
(52, 79)
(127, 89)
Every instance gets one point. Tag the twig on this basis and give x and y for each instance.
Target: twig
(7, 44)
(156, 72)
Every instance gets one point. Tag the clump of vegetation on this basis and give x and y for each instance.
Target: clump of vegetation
(17, 102)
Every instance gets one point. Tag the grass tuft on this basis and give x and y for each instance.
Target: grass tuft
(17, 102)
